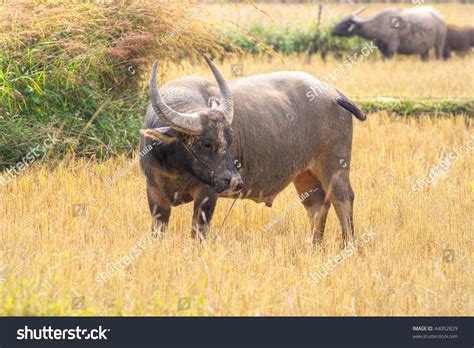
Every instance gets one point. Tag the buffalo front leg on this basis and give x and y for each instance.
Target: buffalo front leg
(204, 204)
(446, 52)
(388, 50)
(160, 211)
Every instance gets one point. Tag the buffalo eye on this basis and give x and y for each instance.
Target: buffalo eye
(207, 145)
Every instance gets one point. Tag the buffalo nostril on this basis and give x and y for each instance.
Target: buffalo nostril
(236, 183)
(239, 185)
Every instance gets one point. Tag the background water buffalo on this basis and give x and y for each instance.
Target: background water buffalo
(269, 124)
(458, 39)
(404, 31)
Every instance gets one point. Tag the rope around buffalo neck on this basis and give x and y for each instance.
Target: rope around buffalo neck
(225, 219)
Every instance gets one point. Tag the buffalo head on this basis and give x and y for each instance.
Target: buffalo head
(201, 138)
(348, 25)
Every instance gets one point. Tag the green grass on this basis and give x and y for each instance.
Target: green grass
(413, 107)
(259, 39)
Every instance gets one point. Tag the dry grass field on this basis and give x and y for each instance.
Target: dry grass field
(301, 14)
(73, 243)
(400, 77)
(54, 256)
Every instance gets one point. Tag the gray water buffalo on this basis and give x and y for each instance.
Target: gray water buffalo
(248, 138)
(403, 31)
(458, 39)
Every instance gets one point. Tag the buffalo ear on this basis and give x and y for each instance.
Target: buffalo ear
(213, 103)
(165, 135)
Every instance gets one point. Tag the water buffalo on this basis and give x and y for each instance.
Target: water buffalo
(404, 31)
(197, 130)
(458, 39)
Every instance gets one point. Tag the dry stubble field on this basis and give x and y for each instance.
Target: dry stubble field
(63, 229)
(51, 259)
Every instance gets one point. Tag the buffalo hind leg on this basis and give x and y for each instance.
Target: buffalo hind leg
(314, 200)
(204, 204)
(425, 56)
(341, 196)
(439, 51)
(160, 211)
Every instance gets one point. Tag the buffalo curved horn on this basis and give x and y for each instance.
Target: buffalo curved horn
(359, 11)
(182, 122)
(227, 103)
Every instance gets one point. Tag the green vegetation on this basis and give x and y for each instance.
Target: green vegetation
(259, 39)
(73, 69)
(416, 107)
